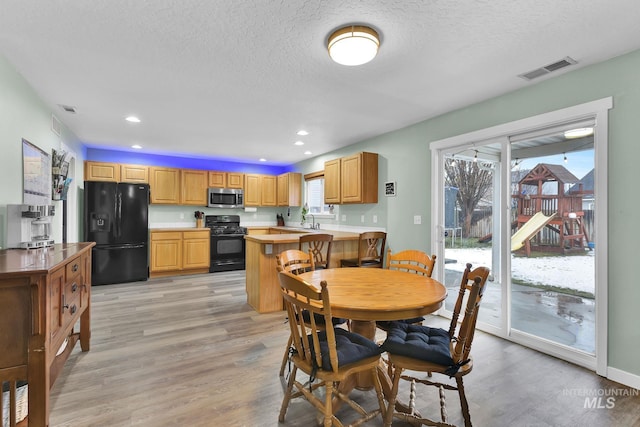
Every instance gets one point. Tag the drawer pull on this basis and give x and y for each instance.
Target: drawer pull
(64, 303)
(74, 309)
(75, 267)
(74, 287)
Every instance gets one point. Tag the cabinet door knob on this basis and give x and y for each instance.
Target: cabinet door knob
(74, 309)
(74, 287)
(75, 267)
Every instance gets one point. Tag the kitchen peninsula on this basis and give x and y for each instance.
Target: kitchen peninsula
(263, 288)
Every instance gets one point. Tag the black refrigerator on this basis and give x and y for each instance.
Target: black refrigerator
(116, 218)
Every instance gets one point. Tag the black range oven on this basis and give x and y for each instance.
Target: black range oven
(227, 242)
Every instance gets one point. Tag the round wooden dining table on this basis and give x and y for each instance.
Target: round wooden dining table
(364, 295)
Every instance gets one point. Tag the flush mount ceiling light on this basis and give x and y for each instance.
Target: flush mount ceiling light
(132, 119)
(353, 45)
(578, 133)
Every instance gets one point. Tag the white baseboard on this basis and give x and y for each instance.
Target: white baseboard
(623, 377)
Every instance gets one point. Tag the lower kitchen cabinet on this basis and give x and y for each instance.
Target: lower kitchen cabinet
(179, 251)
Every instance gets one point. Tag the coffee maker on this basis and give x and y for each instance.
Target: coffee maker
(29, 226)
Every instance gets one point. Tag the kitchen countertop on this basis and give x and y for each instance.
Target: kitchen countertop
(294, 236)
(194, 228)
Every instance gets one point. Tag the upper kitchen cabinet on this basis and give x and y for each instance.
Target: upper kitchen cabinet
(165, 185)
(352, 179)
(194, 185)
(359, 178)
(332, 182)
(101, 171)
(289, 189)
(251, 189)
(268, 190)
(134, 173)
(260, 190)
(219, 179)
(235, 180)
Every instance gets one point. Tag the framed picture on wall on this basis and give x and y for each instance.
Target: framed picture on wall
(390, 188)
(36, 170)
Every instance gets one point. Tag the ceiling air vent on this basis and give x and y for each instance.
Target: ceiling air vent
(68, 108)
(565, 62)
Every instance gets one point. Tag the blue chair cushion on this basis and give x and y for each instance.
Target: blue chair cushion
(386, 324)
(351, 348)
(419, 342)
(320, 319)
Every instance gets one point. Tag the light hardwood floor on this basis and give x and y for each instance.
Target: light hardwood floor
(189, 351)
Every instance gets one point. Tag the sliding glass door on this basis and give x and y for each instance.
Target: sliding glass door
(521, 199)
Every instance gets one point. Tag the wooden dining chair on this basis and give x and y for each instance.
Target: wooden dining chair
(411, 261)
(370, 251)
(328, 356)
(417, 348)
(295, 262)
(320, 247)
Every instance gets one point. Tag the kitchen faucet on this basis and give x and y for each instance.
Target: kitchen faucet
(313, 221)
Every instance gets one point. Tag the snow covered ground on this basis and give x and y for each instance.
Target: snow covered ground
(573, 272)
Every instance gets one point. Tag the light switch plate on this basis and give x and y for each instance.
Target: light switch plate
(417, 219)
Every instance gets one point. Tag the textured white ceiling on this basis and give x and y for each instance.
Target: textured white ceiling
(236, 80)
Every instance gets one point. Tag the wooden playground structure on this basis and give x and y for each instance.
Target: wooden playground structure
(545, 221)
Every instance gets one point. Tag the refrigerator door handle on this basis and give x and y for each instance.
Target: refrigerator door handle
(118, 214)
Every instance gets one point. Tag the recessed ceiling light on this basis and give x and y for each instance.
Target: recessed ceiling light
(303, 133)
(298, 143)
(136, 146)
(308, 152)
(263, 160)
(578, 133)
(133, 119)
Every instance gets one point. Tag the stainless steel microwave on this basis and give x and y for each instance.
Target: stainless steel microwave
(225, 198)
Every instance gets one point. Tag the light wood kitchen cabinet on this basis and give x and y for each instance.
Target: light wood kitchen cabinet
(268, 190)
(219, 179)
(134, 173)
(289, 189)
(332, 182)
(165, 185)
(235, 180)
(352, 179)
(101, 171)
(252, 191)
(195, 249)
(194, 185)
(176, 252)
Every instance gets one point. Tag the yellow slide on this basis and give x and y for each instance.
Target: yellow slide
(529, 229)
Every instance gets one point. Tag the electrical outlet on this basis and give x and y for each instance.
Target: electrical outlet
(361, 218)
(417, 219)
(375, 219)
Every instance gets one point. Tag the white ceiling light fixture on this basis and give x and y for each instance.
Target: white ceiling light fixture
(578, 133)
(133, 119)
(298, 143)
(303, 133)
(353, 45)
(136, 146)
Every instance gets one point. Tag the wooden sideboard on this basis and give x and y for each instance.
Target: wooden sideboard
(43, 294)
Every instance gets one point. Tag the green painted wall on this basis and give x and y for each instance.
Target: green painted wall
(405, 158)
(24, 115)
